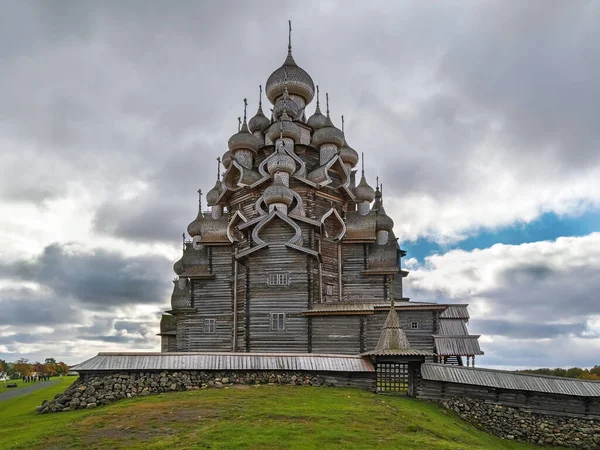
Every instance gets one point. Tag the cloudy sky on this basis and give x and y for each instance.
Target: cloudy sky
(481, 119)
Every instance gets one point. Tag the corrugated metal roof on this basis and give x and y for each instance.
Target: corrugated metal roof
(457, 345)
(455, 312)
(225, 361)
(510, 380)
(453, 327)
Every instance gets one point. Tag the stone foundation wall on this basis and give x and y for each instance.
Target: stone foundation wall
(514, 424)
(93, 389)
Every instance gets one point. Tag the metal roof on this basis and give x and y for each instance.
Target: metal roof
(455, 312)
(367, 307)
(510, 380)
(225, 361)
(457, 345)
(453, 327)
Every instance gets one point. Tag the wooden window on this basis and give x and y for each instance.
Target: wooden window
(329, 289)
(414, 325)
(277, 321)
(210, 326)
(278, 279)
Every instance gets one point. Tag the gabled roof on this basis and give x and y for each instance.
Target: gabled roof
(501, 379)
(456, 312)
(457, 345)
(224, 361)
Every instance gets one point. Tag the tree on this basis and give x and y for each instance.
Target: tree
(588, 375)
(39, 368)
(23, 368)
(3, 368)
(62, 368)
(49, 361)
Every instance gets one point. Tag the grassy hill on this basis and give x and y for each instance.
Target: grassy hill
(264, 417)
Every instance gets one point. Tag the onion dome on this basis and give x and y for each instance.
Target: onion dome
(291, 75)
(178, 267)
(195, 227)
(243, 139)
(383, 221)
(227, 159)
(212, 198)
(259, 122)
(278, 193)
(328, 134)
(317, 120)
(364, 192)
(347, 154)
(284, 128)
(287, 106)
(281, 162)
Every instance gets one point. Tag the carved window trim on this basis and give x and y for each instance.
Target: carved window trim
(277, 321)
(210, 326)
(414, 325)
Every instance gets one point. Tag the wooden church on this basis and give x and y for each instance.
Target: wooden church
(296, 255)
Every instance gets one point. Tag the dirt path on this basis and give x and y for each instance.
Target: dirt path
(17, 392)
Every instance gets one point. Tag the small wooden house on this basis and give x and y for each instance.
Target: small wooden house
(295, 255)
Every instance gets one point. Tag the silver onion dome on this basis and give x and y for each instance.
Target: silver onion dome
(285, 105)
(348, 155)
(278, 193)
(214, 194)
(284, 128)
(292, 76)
(259, 122)
(195, 227)
(281, 162)
(227, 159)
(243, 139)
(329, 134)
(178, 267)
(317, 120)
(364, 192)
(383, 221)
(298, 81)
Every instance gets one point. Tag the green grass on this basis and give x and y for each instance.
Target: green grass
(265, 417)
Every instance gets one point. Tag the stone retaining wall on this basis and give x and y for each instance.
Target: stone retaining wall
(515, 424)
(93, 389)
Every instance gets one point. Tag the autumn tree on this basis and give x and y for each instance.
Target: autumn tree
(39, 368)
(23, 368)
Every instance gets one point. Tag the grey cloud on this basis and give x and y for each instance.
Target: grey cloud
(101, 280)
(26, 307)
(526, 330)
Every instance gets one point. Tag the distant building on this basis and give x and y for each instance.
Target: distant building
(294, 255)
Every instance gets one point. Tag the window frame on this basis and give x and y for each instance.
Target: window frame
(209, 325)
(278, 279)
(277, 321)
(414, 325)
